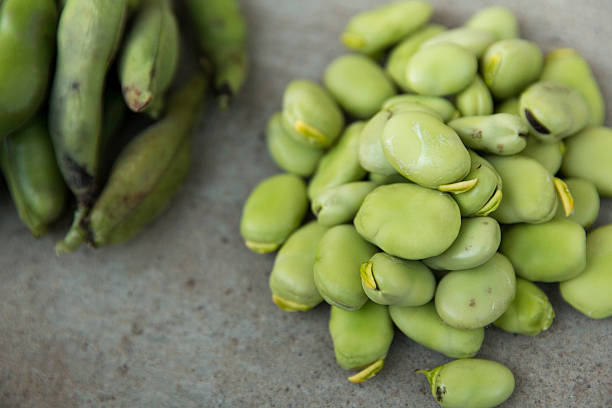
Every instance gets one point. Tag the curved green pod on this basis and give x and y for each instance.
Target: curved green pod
(338, 205)
(498, 20)
(441, 69)
(589, 292)
(472, 39)
(388, 280)
(586, 202)
(475, 100)
(27, 35)
(310, 114)
(509, 66)
(438, 106)
(273, 210)
(341, 163)
(476, 243)
(549, 155)
(486, 195)
(566, 66)
(476, 297)
(528, 193)
(336, 270)
(587, 156)
(409, 221)
(530, 312)
(423, 325)
(553, 111)
(400, 54)
(75, 106)
(424, 150)
(470, 382)
(358, 84)
(292, 278)
(376, 29)
(149, 59)
(290, 155)
(221, 34)
(361, 338)
(554, 251)
(31, 173)
(502, 134)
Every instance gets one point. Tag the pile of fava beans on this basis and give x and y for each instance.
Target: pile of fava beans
(449, 171)
(70, 70)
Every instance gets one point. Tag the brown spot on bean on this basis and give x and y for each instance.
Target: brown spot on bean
(472, 302)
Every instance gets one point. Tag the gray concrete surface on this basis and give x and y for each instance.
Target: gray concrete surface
(182, 317)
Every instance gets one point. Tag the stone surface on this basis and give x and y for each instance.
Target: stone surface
(181, 316)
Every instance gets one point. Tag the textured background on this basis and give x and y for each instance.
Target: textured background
(182, 317)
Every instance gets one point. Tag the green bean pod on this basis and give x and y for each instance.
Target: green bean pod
(361, 338)
(423, 325)
(472, 39)
(222, 37)
(486, 195)
(566, 66)
(75, 107)
(145, 177)
(475, 100)
(502, 134)
(440, 106)
(27, 35)
(470, 382)
(530, 312)
(32, 176)
(149, 59)
(388, 280)
(498, 20)
(338, 205)
(292, 278)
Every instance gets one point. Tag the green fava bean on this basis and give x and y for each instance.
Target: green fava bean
(401, 53)
(498, 20)
(27, 35)
(409, 221)
(424, 150)
(530, 312)
(358, 84)
(336, 270)
(476, 243)
(502, 134)
(371, 154)
(476, 297)
(470, 382)
(549, 155)
(381, 179)
(441, 69)
(274, 209)
(529, 193)
(589, 292)
(587, 156)
(437, 105)
(486, 195)
(150, 57)
(338, 205)
(423, 325)
(510, 105)
(586, 202)
(475, 100)
(361, 338)
(381, 27)
(287, 153)
(388, 280)
(474, 40)
(292, 278)
(554, 251)
(340, 165)
(566, 66)
(32, 176)
(509, 66)
(553, 111)
(310, 114)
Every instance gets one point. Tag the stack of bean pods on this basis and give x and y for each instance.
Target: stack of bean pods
(85, 107)
(409, 192)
